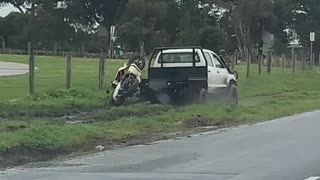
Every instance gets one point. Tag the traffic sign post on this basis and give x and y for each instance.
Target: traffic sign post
(312, 39)
(294, 37)
(112, 39)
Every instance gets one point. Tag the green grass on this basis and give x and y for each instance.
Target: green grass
(51, 75)
(262, 98)
(54, 137)
(51, 99)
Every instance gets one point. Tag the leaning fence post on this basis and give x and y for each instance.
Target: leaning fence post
(31, 74)
(248, 65)
(269, 62)
(102, 71)
(68, 71)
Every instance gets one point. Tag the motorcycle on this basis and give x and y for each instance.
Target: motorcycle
(127, 80)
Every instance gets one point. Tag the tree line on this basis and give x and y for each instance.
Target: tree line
(213, 24)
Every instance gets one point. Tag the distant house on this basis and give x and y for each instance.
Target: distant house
(117, 52)
(295, 44)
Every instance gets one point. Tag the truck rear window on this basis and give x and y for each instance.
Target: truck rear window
(178, 58)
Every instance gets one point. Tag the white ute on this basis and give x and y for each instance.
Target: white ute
(178, 65)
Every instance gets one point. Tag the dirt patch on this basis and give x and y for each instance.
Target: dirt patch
(270, 94)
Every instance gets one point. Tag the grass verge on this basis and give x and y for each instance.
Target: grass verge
(41, 136)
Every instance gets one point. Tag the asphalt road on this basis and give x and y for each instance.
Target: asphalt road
(283, 149)
(11, 69)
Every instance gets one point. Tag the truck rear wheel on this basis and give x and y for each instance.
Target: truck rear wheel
(233, 97)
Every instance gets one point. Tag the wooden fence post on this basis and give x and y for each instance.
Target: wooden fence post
(303, 62)
(102, 71)
(99, 73)
(31, 74)
(82, 49)
(278, 62)
(294, 63)
(233, 63)
(319, 62)
(237, 56)
(269, 62)
(68, 71)
(29, 48)
(283, 60)
(55, 48)
(312, 61)
(3, 47)
(260, 64)
(248, 65)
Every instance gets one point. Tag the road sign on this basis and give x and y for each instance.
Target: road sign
(112, 31)
(312, 37)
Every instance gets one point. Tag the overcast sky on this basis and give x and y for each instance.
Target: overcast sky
(4, 11)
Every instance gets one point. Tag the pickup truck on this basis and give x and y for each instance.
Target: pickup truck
(178, 74)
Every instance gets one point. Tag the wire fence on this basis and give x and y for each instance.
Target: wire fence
(296, 63)
(65, 73)
(46, 75)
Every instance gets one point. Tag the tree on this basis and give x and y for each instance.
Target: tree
(212, 38)
(148, 17)
(240, 23)
(132, 34)
(190, 22)
(12, 28)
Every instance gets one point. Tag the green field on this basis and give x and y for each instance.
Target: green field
(51, 98)
(51, 75)
(34, 124)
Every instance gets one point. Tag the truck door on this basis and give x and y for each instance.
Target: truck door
(222, 72)
(212, 73)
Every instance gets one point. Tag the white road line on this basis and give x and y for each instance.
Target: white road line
(313, 178)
